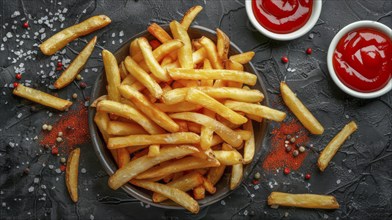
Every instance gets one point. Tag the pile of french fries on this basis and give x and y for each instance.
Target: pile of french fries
(176, 117)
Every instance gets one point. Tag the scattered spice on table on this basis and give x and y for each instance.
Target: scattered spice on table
(279, 157)
(73, 127)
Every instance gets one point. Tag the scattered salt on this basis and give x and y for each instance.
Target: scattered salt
(91, 217)
(19, 115)
(121, 33)
(58, 170)
(223, 202)
(338, 181)
(36, 180)
(246, 212)
(9, 35)
(83, 170)
(31, 189)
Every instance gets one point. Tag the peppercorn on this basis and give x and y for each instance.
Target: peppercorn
(301, 149)
(288, 149)
(285, 59)
(307, 176)
(286, 171)
(74, 95)
(257, 175)
(63, 160)
(83, 85)
(26, 24)
(18, 76)
(59, 139)
(50, 127)
(16, 84)
(44, 127)
(59, 64)
(295, 153)
(309, 50)
(288, 137)
(78, 77)
(26, 171)
(60, 134)
(292, 140)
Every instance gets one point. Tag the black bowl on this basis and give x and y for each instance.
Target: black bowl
(106, 159)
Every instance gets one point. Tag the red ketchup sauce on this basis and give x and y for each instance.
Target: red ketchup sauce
(363, 60)
(282, 16)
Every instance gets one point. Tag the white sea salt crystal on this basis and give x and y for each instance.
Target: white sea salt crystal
(223, 202)
(246, 212)
(9, 35)
(91, 217)
(121, 33)
(51, 166)
(58, 170)
(31, 189)
(113, 34)
(36, 180)
(4, 39)
(19, 115)
(338, 181)
(11, 144)
(43, 186)
(113, 42)
(3, 204)
(83, 170)
(15, 14)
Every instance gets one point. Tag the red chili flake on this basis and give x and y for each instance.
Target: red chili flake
(307, 176)
(255, 182)
(16, 84)
(285, 59)
(55, 150)
(309, 50)
(18, 76)
(63, 167)
(26, 24)
(59, 64)
(154, 44)
(59, 68)
(286, 171)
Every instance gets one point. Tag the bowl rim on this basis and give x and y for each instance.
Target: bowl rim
(316, 11)
(107, 162)
(350, 27)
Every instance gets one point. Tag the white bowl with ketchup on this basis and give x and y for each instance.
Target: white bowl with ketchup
(360, 59)
(283, 19)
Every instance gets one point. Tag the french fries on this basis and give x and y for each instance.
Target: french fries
(141, 164)
(222, 44)
(158, 32)
(119, 128)
(256, 109)
(72, 173)
(242, 58)
(249, 145)
(149, 109)
(333, 146)
(150, 60)
(112, 75)
(230, 136)
(200, 74)
(41, 97)
(198, 97)
(190, 16)
(129, 112)
(311, 201)
(185, 52)
(172, 193)
(212, 53)
(62, 38)
(76, 66)
(178, 107)
(228, 157)
(186, 163)
(300, 110)
(145, 139)
(153, 150)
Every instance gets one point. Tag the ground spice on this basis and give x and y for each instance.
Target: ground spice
(73, 125)
(278, 157)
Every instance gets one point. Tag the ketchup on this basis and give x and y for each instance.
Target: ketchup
(282, 16)
(363, 60)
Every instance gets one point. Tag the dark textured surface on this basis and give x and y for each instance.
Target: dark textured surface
(360, 175)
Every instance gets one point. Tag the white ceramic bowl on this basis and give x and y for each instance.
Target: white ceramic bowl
(316, 10)
(351, 27)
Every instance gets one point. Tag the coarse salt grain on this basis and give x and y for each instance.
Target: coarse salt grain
(31, 189)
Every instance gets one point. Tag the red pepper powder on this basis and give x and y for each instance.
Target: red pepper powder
(278, 157)
(74, 125)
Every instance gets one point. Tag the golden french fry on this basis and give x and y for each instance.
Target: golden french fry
(123, 71)
(254, 117)
(199, 55)
(153, 150)
(159, 33)
(143, 77)
(256, 109)
(200, 74)
(141, 164)
(102, 121)
(198, 97)
(212, 53)
(62, 38)
(185, 52)
(245, 134)
(149, 109)
(199, 192)
(228, 135)
(142, 139)
(183, 183)
(72, 173)
(233, 65)
(249, 146)
(41, 97)
(206, 133)
(190, 15)
(311, 201)
(160, 52)
(206, 66)
(186, 163)
(243, 58)
(123, 157)
(128, 80)
(131, 113)
(216, 173)
(112, 75)
(76, 66)
(222, 44)
(300, 110)
(209, 186)
(236, 175)
(134, 48)
(228, 157)
(95, 102)
(178, 95)
(178, 107)
(150, 60)
(134, 149)
(333, 146)
(216, 139)
(194, 127)
(178, 196)
(119, 128)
